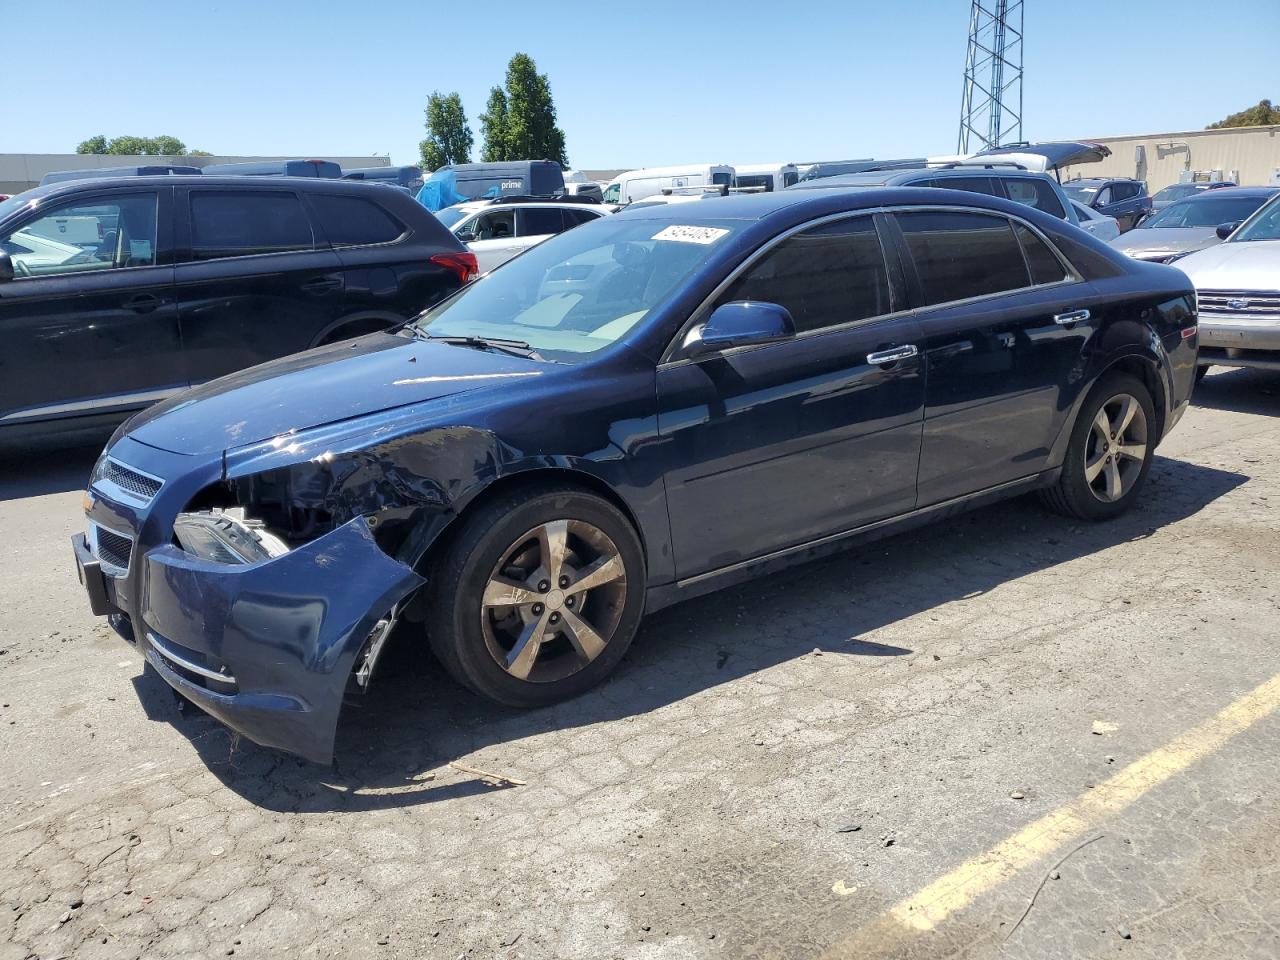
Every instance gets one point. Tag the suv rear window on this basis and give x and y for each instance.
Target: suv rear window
(1034, 193)
(354, 221)
(239, 223)
(963, 255)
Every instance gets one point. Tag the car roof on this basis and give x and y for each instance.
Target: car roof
(1076, 181)
(803, 204)
(201, 180)
(1261, 193)
(897, 176)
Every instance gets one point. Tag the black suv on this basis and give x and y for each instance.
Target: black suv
(1120, 197)
(115, 293)
(1004, 180)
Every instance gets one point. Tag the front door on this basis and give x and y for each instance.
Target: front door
(255, 281)
(89, 323)
(787, 442)
(1001, 349)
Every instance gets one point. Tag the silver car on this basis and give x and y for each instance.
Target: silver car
(1238, 289)
(1192, 224)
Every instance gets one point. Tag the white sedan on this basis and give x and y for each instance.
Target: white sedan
(1100, 225)
(495, 231)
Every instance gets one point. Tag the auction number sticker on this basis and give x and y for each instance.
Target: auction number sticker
(703, 235)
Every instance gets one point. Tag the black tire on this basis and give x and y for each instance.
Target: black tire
(1201, 370)
(1074, 495)
(464, 640)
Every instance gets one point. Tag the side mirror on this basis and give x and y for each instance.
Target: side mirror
(739, 324)
(468, 236)
(6, 267)
(1227, 229)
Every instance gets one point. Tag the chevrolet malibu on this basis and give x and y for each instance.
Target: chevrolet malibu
(641, 410)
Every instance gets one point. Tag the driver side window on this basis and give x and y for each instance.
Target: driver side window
(1104, 197)
(498, 225)
(85, 236)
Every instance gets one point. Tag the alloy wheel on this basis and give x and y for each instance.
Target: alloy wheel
(553, 601)
(1115, 448)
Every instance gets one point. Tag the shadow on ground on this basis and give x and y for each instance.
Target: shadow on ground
(1237, 390)
(419, 719)
(34, 465)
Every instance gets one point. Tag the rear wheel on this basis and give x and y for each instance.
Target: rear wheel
(538, 596)
(1111, 448)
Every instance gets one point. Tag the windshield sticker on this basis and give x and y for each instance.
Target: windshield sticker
(703, 235)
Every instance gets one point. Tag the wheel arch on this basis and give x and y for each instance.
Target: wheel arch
(362, 322)
(1137, 363)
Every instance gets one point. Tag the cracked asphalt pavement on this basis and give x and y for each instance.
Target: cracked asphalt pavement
(771, 770)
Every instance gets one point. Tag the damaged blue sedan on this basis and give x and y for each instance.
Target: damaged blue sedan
(643, 409)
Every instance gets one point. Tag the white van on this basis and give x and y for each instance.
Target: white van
(771, 176)
(638, 184)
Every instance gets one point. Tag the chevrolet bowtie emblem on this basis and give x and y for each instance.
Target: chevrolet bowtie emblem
(1238, 304)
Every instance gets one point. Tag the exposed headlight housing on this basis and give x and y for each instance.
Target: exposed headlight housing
(227, 536)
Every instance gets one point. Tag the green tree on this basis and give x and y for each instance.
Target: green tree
(1264, 114)
(449, 138)
(531, 132)
(493, 126)
(135, 146)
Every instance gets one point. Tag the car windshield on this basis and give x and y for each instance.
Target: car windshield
(1264, 226)
(450, 215)
(580, 292)
(1179, 191)
(1079, 191)
(1204, 212)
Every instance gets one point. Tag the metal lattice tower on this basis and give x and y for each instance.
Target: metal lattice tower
(991, 109)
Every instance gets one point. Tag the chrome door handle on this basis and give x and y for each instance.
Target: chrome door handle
(1070, 317)
(893, 354)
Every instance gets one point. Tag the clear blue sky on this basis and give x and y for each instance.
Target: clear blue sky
(664, 83)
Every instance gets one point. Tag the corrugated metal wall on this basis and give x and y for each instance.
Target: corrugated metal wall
(1252, 151)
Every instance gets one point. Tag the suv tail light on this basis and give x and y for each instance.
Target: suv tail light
(463, 264)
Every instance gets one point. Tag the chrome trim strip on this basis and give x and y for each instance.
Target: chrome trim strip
(161, 648)
(866, 527)
(98, 404)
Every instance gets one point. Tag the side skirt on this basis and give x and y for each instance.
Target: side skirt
(668, 594)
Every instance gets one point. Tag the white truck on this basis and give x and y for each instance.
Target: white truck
(770, 176)
(650, 181)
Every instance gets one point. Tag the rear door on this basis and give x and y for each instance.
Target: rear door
(89, 325)
(255, 279)
(1001, 365)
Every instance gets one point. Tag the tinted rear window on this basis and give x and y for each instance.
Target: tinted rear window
(536, 221)
(963, 255)
(968, 184)
(1044, 264)
(354, 221)
(1035, 193)
(227, 223)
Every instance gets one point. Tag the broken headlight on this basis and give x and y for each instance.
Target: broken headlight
(226, 536)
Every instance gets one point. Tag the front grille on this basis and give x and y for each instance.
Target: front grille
(1241, 303)
(112, 548)
(139, 484)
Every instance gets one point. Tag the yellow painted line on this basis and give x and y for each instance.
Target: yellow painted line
(927, 908)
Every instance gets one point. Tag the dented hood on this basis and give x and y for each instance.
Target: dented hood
(321, 386)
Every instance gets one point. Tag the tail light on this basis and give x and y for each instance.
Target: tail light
(462, 264)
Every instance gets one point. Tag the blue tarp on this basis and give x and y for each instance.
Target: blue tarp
(440, 190)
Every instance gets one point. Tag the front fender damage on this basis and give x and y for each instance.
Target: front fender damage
(285, 632)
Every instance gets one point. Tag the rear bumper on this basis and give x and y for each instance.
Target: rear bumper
(268, 648)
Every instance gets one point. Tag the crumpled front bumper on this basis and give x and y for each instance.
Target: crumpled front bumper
(267, 648)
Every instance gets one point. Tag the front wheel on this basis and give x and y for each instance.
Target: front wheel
(538, 596)
(1111, 448)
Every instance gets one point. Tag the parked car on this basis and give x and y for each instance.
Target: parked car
(769, 176)
(635, 412)
(1120, 197)
(1238, 287)
(148, 170)
(1181, 191)
(638, 184)
(1103, 227)
(819, 170)
(576, 184)
(475, 181)
(497, 230)
(407, 178)
(1036, 190)
(1192, 224)
(326, 169)
(191, 278)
